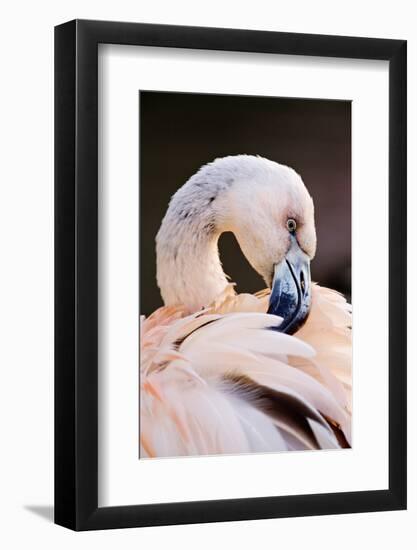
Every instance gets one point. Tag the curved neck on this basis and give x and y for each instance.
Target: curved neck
(189, 271)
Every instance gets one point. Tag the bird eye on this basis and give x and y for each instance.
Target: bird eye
(291, 225)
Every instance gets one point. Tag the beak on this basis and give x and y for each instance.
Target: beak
(291, 289)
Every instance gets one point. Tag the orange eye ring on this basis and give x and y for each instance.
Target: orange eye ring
(291, 225)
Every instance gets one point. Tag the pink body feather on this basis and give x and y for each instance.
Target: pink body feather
(218, 381)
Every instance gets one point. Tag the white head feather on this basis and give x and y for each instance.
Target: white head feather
(250, 196)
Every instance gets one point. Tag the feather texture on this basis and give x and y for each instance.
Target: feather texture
(218, 381)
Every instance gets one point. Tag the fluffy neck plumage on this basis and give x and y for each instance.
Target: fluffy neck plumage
(189, 270)
(192, 274)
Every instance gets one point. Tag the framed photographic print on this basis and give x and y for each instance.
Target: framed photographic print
(230, 234)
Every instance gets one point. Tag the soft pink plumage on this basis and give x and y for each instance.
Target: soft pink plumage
(218, 381)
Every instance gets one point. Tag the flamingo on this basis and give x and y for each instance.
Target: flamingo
(228, 373)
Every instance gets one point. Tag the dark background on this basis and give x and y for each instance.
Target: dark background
(180, 132)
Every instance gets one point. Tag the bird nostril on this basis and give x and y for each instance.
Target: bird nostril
(302, 282)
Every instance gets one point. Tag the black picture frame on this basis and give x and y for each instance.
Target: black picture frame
(76, 272)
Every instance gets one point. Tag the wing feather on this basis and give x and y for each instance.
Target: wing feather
(218, 381)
